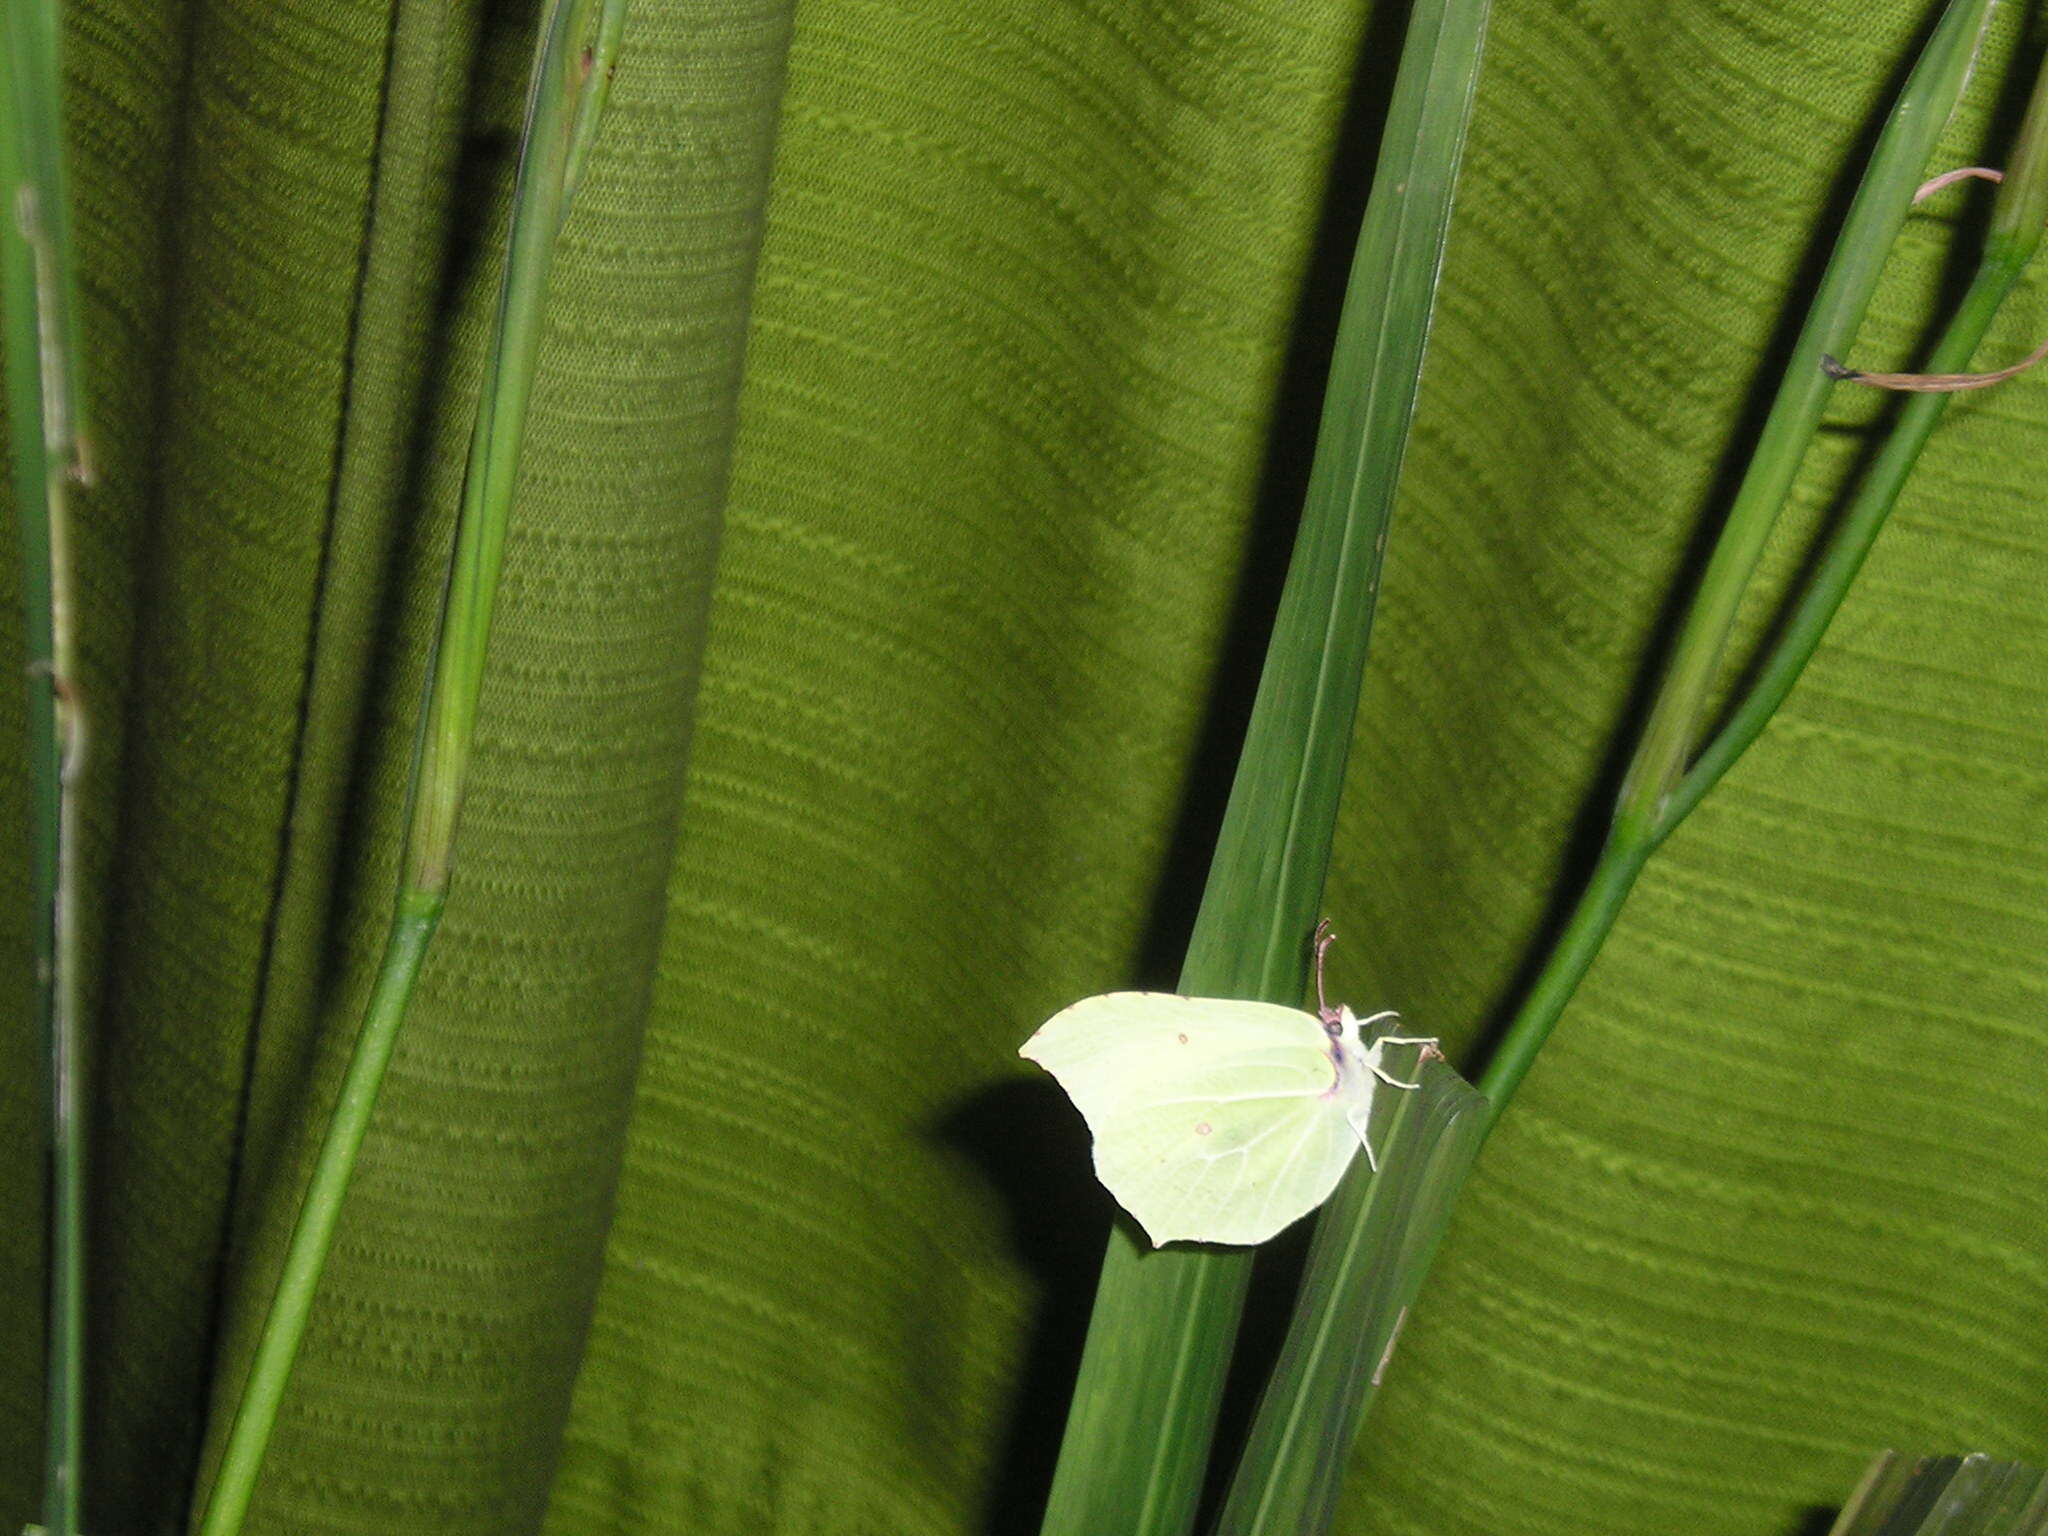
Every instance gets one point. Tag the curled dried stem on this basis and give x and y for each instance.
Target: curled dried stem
(1939, 383)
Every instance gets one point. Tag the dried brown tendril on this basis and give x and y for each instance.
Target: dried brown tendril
(1938, 383)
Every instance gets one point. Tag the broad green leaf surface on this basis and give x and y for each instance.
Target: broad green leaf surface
(1019, 334)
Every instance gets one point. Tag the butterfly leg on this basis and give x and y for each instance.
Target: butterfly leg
(1429, 1048)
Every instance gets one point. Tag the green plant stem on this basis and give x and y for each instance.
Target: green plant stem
(1875, 219)
(1629, 846)
(47, 450)
(1159, 1340)
(573, 64)
(1585, 931)
(1846, 551)
(2013, 241)
(571, 79)
(1642, 820)
(270, 1370)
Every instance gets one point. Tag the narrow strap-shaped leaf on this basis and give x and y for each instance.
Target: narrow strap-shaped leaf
(1946, 1496)
(47, 450)
(1373, 1246)
(1159, 1342)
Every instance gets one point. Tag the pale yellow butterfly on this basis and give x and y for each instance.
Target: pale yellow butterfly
(1215, 1120)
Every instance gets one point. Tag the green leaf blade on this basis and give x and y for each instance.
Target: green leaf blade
(1159, 1343)
(41, 345)
(1373, 1246)
(1971, 1495)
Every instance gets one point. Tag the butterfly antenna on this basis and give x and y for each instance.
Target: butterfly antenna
(1325, 937)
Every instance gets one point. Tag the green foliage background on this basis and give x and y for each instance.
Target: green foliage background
(764, 876)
